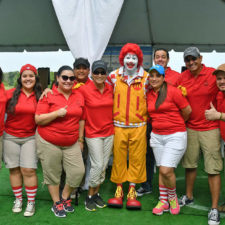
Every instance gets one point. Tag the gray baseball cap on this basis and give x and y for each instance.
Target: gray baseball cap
(99, 64)
(192, 51)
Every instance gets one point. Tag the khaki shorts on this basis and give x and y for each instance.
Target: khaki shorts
(1, 152)
(209, 143)
(19, 152)
(55, 158)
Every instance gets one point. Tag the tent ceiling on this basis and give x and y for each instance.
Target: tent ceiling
(173, 24)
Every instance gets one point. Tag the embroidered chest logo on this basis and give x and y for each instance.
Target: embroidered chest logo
(137, 85)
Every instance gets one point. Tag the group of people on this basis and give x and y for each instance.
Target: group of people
(181, 114)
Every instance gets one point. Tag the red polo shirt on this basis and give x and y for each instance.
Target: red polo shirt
(98, 110)
(63, 131)
(167, 118)
(21, 123)
(3, 99)
(201, 90)
(172, 77)
(221, 108)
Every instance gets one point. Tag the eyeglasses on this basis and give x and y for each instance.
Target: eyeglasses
(99, 72)
(65, 78)
(189, 58)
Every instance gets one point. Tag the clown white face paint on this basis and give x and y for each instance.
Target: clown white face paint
(130, 63)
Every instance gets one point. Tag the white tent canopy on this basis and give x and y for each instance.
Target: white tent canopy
(173, 24)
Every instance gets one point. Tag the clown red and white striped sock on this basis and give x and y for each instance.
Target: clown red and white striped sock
(163, 194)
(31, 193)
(17, 191)
(172, 193)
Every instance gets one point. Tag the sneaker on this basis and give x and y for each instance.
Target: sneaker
(160, 208)
(30, 209)
(184, 200)
(67, 205)
(174, 206)
(17, 207)
(73, 194)
(221, 208)
(58, 209)
(99, 201)
(90, 204)
(213, 217)
(141, 191)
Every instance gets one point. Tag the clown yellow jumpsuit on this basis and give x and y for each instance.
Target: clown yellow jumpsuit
(130, 117)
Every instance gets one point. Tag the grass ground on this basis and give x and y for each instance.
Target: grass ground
(109, 216)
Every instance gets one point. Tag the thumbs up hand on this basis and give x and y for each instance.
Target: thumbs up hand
(212, 113)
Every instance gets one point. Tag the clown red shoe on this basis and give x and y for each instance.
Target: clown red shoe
(132, 202)
(117, 201)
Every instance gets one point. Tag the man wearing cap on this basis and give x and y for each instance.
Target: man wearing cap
(201, 88)
(81, 68)
(130, 82)
(218, 113)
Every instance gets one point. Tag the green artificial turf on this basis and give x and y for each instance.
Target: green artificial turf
(109, 216)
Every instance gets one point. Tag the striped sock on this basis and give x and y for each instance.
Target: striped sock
(172, 193)
(18, 192)
(31, 193)
(163, 195)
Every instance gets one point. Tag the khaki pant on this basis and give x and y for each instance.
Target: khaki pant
(132, 140)
(19, 152)
(55, 158)
(99, 152)
(209, 143)
(1, 152)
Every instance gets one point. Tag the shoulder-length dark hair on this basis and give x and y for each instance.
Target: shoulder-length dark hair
(61, 69)
(161, 95)
(13, 101)
(1, 75)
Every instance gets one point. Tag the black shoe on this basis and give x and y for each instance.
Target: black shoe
(99, 201)
(58, 209)
(214, 217)
(184, 200)
(90, 204)
(67, 205)
(141, 191)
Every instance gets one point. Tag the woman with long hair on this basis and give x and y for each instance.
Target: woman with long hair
(60, 139)
(19, 150)
(3, 99)
(168, 111)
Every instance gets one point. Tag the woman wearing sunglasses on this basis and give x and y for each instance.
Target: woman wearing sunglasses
(19, 150)
(168, 110)
(60, 128)
(99, 131)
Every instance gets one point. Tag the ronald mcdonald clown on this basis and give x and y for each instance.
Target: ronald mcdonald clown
(130, 84)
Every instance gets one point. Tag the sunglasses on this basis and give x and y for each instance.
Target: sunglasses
(99, 72)
(188, 59)
(65, 78)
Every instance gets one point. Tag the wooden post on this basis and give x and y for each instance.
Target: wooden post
(44, 74)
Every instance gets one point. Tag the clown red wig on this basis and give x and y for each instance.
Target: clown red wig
(131, 48)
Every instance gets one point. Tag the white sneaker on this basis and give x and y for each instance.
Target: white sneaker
(30, 210)
(17, 207)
